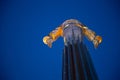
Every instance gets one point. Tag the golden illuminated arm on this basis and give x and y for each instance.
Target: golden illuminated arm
(91, 35)
(48, 40)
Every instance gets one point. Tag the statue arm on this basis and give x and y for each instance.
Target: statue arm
(91, 35)
(48, 40)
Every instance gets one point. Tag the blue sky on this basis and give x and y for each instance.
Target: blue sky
(23, 55)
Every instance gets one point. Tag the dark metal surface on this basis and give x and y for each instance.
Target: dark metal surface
(77, 64)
